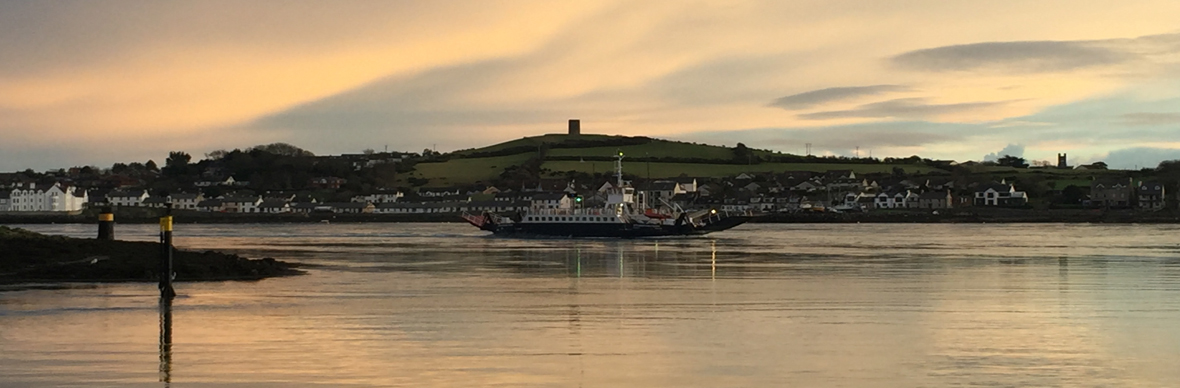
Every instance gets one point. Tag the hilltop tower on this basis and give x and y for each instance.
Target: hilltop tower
(575, 127)
(1061, 161)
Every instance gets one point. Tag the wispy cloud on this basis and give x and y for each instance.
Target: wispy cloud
(1020, 124)
(817, 97)
(1038, 56)
(1150, 118)
(1034, 57)
(910, 108)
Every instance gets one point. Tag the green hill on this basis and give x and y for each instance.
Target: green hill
(594, 154)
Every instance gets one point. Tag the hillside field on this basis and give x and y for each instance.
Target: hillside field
(465, 171)
(669, 170)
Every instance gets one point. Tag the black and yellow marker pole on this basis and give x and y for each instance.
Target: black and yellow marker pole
(106, 224)
(166, 274)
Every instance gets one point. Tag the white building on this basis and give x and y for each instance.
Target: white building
(379, 197)
(240, 204)
(56, 198)
(999, 194)
(186, 201)
(127, 198)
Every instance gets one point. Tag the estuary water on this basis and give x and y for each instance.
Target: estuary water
(444, 305)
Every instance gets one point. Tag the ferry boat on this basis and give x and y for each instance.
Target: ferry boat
(621, 217)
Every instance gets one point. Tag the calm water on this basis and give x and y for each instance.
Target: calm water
(442, 305)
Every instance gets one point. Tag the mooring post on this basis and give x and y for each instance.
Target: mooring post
(166, 274)
(106, 224)
(166, 341)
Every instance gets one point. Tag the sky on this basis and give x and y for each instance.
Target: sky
(93, 83)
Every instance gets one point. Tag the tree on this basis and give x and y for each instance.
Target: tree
(283, 149)
(216, 154)
(1073, 195)
(743, 154)
(1096, 166)
(178, 159)
(151, 166)
(177, 164)
(1012, 161)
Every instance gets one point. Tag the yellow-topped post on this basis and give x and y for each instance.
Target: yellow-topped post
(166, 274)
(106, 224)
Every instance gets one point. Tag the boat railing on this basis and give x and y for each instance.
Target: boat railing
(575, 212)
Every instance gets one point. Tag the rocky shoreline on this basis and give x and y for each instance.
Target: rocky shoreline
(32, 257)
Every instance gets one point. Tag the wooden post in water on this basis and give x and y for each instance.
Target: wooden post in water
(106, 224)
(166, 274)
(166, 341)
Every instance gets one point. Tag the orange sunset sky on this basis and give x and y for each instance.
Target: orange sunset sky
(97, 82)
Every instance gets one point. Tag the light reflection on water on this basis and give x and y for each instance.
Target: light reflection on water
(806, 305)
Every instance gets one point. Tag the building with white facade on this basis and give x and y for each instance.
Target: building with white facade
(186, 201)
(127, 198)
(241, 204)
(55, 198)
(379, 197)
(999, 194)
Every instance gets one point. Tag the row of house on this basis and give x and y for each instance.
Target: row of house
(1123, 194)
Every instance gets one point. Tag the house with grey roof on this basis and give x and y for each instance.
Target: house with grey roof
(248, 204)
(936, 200)
(999, 194)
(127, 197)
(1112, 193)
(186, 201)
(210, 205)
(274, 206)
(1151, 196)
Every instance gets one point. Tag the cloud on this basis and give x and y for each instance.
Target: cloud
(816, 97)
(1020, 124)
(1150, 118)
(1016, 150)
(1042, 56)
(909, 108)
(1140, 157)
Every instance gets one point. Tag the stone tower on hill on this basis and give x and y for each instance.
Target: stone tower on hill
(575, 127)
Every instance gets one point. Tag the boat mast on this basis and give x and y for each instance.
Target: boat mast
(619, 169)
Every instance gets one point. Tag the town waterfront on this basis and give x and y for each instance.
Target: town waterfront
(832, 305)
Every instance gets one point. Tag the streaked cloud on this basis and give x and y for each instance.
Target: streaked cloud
(902, 108)
(1019, 124)
(1039, 56)
(817, 97)
(1020, 56)
(1150, 118)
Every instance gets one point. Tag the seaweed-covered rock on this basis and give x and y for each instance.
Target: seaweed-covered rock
(28, 256)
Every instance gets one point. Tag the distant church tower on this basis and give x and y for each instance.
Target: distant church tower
(1061, 161)
(575, 127)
